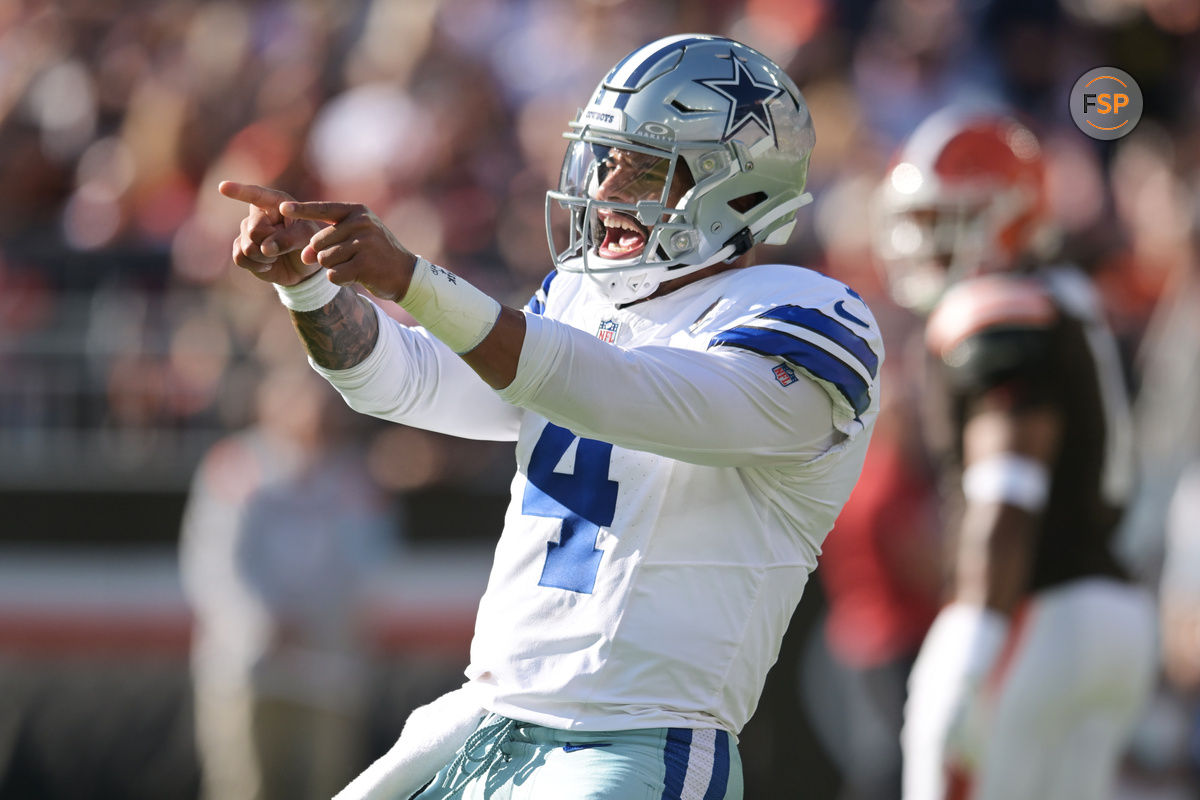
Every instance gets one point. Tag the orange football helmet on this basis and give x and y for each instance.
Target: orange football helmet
(964, 195)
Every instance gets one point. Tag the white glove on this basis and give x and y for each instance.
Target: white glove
(431, 736)
(945, 716)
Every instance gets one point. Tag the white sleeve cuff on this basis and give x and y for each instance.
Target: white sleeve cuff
(312, 293)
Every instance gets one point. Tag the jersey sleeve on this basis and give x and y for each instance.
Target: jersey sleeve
(412, 378)
(995, 331)
(835, 343)
(716, 407)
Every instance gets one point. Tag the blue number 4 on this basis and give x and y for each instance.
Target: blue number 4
(585, 501)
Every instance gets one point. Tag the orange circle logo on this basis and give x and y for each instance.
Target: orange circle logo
(1106, 103)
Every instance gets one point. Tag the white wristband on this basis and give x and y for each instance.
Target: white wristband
(1007, 478)
(449, 307)
(312, 293)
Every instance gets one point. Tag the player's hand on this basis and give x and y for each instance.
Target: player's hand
(355, 247)
(269, 245)
(966, 737)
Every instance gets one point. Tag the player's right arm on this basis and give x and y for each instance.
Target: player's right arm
(271, 247)
(380, 366)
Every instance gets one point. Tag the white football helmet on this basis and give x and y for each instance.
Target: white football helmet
(707, 142)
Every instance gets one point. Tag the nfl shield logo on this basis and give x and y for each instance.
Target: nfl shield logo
(784, 374)
(607, 332)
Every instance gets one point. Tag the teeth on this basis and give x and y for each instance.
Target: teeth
(622, 222)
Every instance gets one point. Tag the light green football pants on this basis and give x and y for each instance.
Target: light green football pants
(509, 760)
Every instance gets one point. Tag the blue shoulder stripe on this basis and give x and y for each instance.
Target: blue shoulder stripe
(815, 321)
(537, 303)
(805, 355)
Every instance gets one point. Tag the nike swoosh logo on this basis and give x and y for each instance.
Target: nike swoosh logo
(571, 748)
(840, 309)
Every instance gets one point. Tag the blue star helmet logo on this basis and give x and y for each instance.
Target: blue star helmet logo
(747, 99)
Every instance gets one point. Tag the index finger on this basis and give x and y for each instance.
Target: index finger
(260, 196)
(318, 210)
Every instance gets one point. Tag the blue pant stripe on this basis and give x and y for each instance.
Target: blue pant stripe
(719, 782)
(675, 756)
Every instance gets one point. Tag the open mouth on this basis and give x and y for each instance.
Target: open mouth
(624, 236)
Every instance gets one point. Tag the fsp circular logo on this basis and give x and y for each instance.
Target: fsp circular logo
(1106, 103)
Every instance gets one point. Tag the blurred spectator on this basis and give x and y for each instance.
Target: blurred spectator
(880, 564)
(1161, 537)
(281, 529)
(1035, 670)
(1177, 755)
(1180, 598)
(880, 576)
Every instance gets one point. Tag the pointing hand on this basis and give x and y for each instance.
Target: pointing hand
(269, 245)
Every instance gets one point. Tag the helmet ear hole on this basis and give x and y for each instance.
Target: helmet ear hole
(747, 201)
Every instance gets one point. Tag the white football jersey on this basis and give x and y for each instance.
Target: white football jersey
(679, 463)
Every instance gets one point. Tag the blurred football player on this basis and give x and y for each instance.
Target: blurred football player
(687, 428)
(1033, 673)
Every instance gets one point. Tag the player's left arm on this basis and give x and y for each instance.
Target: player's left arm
(1008, 458)
(994, 339)
(669, 401)
(1009, 454)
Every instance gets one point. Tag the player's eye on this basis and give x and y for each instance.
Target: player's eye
(604, 167)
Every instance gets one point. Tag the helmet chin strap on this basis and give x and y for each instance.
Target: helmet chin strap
(627, 286)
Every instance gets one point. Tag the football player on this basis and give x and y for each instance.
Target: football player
(687, 428)
(1034, 671)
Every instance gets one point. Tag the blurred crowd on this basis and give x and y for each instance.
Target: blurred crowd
(129, 343)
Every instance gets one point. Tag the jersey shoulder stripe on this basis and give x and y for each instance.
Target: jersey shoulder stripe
(814, 359)
(537, 303)
(799, 319)
(823, 347)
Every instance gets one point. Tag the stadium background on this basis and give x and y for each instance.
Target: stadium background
(128, 343)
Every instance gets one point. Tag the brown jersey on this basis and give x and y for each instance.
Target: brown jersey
(1030, 340)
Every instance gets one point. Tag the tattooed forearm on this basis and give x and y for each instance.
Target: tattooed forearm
(342, 333)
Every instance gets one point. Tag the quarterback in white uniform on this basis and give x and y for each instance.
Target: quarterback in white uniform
(687, 430)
